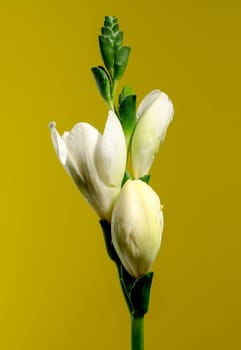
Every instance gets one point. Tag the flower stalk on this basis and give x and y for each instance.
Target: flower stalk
(137, 333)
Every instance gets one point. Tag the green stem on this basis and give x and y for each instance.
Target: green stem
(111, 106)
(114, 87)
(137, 333)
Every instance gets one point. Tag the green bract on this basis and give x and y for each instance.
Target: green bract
(102, 82)
(127, 115)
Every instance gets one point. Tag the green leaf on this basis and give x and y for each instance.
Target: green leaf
(107, 51)
(102, 82)
(106, 31)
(121, 61)
(145, 178)
(110, 21)
(126, 91)
(106, 229)
(122, 55)
(118, 39)
(127, 116)
(140, 294)
(115, 27)
(127, 176)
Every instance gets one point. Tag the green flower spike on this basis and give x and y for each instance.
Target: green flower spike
(115, 59)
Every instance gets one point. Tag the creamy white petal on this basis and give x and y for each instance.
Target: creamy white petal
(58, 144)
(137, 224)
(82, 142)
(64, 156)
(79, 152)
(147, 101)
(112, 153)
(158, 109)
(155, 113)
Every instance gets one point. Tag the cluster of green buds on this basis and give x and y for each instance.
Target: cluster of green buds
(115, 57)
(129, 210)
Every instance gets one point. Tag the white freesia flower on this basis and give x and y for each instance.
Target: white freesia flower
(95, 162)
(136, 226)
(154, 114)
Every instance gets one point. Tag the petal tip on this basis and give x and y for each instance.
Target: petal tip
(51, 125)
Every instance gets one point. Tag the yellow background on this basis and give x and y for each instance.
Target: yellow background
(58, 289)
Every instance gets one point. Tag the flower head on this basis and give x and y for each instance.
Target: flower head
(154, 114)
(95, 162)
(136, 226)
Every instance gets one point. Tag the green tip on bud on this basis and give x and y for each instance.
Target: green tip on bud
(110, 40)
(126, 91)
(127, 116)
(110, 21)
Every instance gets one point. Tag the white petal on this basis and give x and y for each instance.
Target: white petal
(82, 142)
(156, 111)
(112, 152)
(79, 152)
(59, 144)
(147, 101)
(137, 224)
(155, 114)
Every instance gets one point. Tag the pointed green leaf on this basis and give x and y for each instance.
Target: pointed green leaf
(118, 39)
(106, 229)
(126, 91)
(107, 51)
(145, 178)
(121, 61)
(102, 82)
(127, 176)
(127, 116)
(122, 55)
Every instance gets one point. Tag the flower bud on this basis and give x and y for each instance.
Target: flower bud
(136, 227)
(154, 114)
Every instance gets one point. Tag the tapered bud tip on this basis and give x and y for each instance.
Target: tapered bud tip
(52, 125)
